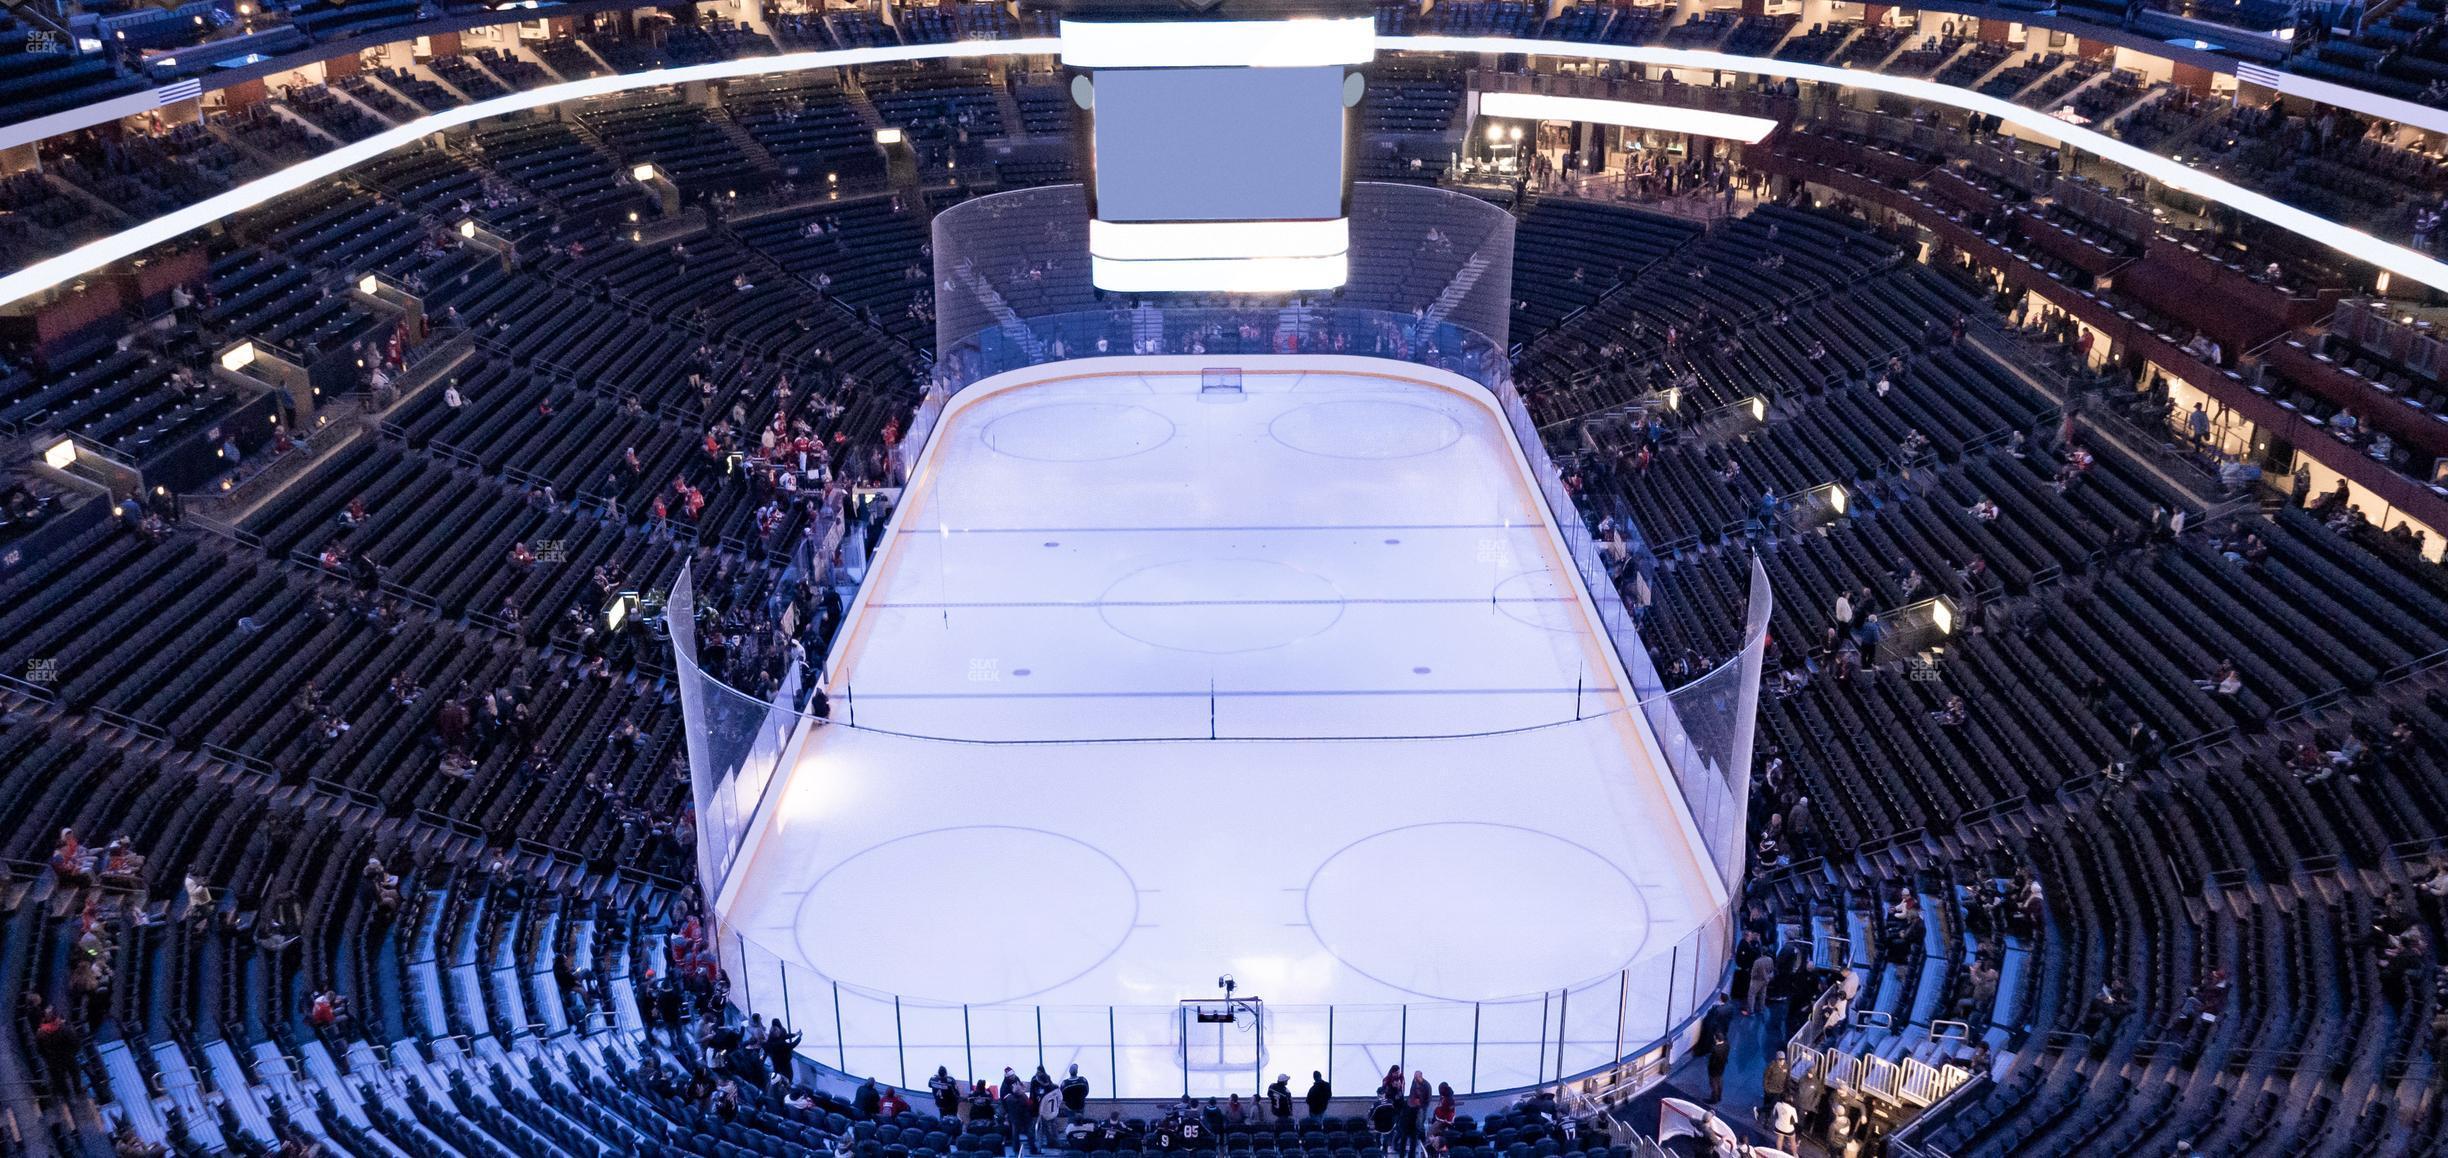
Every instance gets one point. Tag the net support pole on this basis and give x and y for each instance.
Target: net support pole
(1674, 964)
(1623, 1001)
(1563, 1020)
(1474, 1074)
(1539, 1076)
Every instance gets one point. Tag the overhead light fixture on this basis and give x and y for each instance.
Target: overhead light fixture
(1210, 240)
(1531, 106)
(1303, 43)
(1245, 275)
(62, 269)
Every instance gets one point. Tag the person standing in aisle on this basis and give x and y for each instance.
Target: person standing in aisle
(1074, 1094)
(947, 1093)
(1716, 1040)
(1787, 1122)
(1321, 1092)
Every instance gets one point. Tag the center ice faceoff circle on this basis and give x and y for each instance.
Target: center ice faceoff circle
(936, 955)
(1366, 428)
(1220, 606)
(1077, 432)
(1565, 913)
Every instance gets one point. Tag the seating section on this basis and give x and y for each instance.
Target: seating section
(512, 69)
(39, 215)
(1567, 254)
(2140, 831)
(2030, 844)
(146, 176)
(465, 75)
(1411, 98)
(810, 128)
(1817, 44)
(133, 401)
(660, 44)
(43, 72)
(1045, 106)
(946, 112)
(1411, 120)
(2396, 51)
(342, 118)
(568, 57)
(385, 98)
(551, 161)
(864, 253)
(973, 20)
(280, 139)
(325, 20)
(2184, 960)
(677, 137)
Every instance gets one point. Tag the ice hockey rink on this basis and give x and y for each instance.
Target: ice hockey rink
(1151, 684)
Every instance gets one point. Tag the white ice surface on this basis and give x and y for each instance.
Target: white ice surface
(1343, 580)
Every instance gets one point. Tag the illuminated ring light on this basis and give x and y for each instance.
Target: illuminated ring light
(2354, 243)
(42, 275)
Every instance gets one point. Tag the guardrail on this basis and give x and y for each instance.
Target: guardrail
(230, 531)
(28, 689)
(436, 446)
(127, 723)
(357, 796)
(453, 824)
(238, 759)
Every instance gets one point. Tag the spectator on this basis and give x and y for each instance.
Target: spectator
(865, 1101)
(1763, 976)
(946, 1091)
(1717, 1042)
(1074, 1093)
